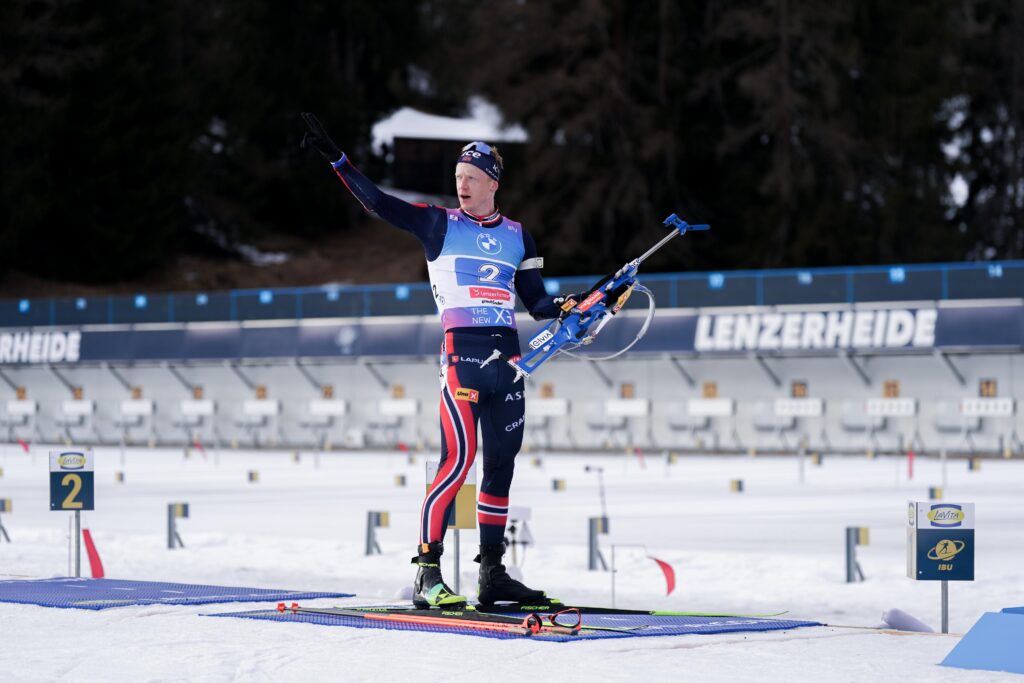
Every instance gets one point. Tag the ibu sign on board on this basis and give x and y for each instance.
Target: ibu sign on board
(940, 541)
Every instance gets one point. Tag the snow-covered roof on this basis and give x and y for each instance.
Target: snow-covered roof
(483, 123)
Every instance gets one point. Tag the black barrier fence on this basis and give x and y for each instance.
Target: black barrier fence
(930, 282)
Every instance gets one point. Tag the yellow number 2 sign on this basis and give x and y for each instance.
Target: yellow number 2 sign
(71, 480)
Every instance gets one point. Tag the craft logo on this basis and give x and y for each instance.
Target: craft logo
(488, 244)
(71, 461)
(515, 425)
(946, 550)
(541, 339)
(894, 328)
(946, 516)
(489, 293)
(40, 347)
(471, 395)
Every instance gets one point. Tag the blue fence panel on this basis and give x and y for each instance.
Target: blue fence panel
(140, 308)
(201, 306)
(332, 303)
(265, 304)
(400, 300)
(897, 283)
(717, 289)
(992, 281)
(24, 312)
(804, 287)
(91, 310)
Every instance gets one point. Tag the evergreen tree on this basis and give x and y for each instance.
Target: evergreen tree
(902, 176)
(43, 47)
(782, 80)
(585, 79)
(985, 121)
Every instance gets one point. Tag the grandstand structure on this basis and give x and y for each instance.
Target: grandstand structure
(833, 360)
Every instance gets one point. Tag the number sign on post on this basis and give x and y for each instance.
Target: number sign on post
(71, 480)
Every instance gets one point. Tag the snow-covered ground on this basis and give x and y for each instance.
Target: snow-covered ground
(776, 546)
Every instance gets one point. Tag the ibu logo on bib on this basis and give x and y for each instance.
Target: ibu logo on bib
(488, 244)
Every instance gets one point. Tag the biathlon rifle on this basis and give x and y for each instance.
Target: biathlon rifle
(581, 321)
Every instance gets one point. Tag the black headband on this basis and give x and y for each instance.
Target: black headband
(480, 154)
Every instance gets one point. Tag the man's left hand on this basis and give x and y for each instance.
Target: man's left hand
(318, 139)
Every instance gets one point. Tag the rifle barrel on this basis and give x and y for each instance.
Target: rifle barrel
(657, 246)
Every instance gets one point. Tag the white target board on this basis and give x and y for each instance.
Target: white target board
(22, 407)
(323, 407)
(710, 407)
(987, 407)
(398, 407)
(627, 407)
(198, 407)
(72, 407)
(891, 407)
(547, 407)
(799, 407)
(258, 407)
(136, 407)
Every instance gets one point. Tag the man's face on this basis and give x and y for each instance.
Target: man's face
(475, 189)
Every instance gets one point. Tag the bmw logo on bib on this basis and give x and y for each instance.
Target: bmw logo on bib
(488, 244)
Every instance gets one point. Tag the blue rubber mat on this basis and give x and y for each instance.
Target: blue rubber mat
(104, 593)
(649, 625)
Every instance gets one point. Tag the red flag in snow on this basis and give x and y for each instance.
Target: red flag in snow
(23, 444)
(199, 447)
(95, 564)
(403, 447)
(670, 574)
(640, 456)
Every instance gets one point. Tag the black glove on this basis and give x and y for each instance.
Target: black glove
(318, 139)
(613, 296)
(560, 301)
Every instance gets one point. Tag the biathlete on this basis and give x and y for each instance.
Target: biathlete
(476, 259)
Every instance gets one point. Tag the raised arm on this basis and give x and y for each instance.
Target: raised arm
(428, 223)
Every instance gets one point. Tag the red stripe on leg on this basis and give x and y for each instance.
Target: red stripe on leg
(451, 458)
(466, 413)
(488, 499)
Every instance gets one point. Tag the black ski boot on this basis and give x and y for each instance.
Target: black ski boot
(429, 589)
(495, 583)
